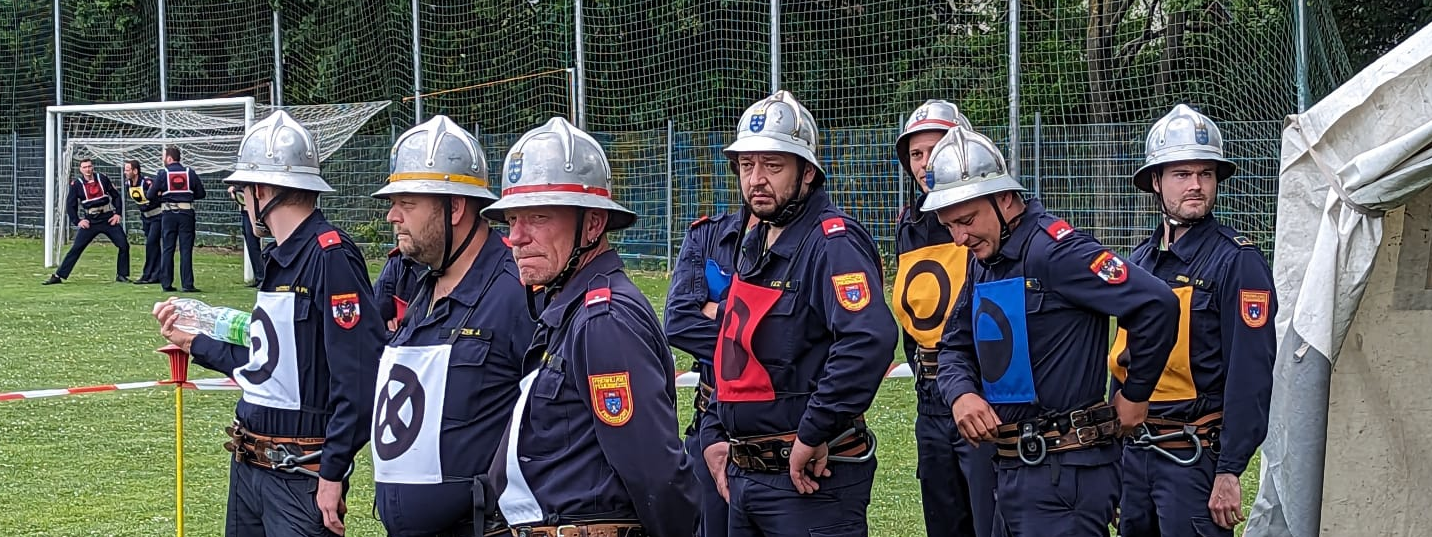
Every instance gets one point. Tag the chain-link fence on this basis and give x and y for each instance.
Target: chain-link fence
(661, 85)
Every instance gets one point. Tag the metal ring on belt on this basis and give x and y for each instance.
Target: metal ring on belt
(1161, 435)
(1033, 439)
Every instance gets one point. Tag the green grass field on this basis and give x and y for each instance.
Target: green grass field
(103, 463)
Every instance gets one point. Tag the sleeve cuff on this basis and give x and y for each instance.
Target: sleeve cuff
(1137, 392)
(957, 391)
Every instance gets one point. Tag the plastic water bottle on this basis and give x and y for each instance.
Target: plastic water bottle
(218, 322)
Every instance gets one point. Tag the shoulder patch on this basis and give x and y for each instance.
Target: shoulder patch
(1253, 304)
(346, 310)
(833, 225)
(1243, 241)
(506, 242)
(611, 397)
(329, 239)
(852, 290)
(1110, 268)
(1058, 229)
(394, 252)
(704, 219)
(598, 296)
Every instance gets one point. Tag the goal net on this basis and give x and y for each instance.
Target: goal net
(207, 133)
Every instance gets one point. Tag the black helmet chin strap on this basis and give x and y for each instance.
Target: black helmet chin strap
(449, 254)
(578, 250)
(1168, 217)
(1004, 231)
(262, 214)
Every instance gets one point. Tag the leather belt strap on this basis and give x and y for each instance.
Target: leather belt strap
(580, 530)
(1207, 428)
(772, 453)
(928, 361)
(153, 212)
(106, 208)
(178, 206)
(1030, 440)
(703, 396)
(252, 448)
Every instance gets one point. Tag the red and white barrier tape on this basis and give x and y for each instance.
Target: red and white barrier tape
(683, 380)
(201, 384)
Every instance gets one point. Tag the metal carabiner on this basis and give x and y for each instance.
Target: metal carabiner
(869, 453)
(1030, 441)
(1148, 441)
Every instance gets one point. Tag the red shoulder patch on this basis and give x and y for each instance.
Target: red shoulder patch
(1059, 229)
(699, 221)
(346, 310)
(611, 397)
(506, 242)
(329, 239)
(598, 296)
(832, 226)
(394, 252)
(1253, 304)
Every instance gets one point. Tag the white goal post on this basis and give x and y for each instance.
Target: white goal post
(59, 148)
(207, 131)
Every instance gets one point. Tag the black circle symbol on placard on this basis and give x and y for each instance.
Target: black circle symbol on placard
(994, 353)
(387, 414)
(268, 344)
(733, 357)
(942, 280)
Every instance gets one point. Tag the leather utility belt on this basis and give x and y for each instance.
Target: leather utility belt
(152, 212)
(928, 362)
(772, 453)
(703, 396)
(292, 455)
(102, 209)
(1031, 440)
(580, 530)
(1162, 435)
(177, 206)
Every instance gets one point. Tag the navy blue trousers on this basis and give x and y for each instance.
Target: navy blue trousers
(1163, 499)
(956, 480)
(714, 510)
(269, 503)
(153, 229)
(764, 504)
(83, 237)
(1057, 500)
(425, 510)
(178, 233)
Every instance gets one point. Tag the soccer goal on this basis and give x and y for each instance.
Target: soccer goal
(207, 131)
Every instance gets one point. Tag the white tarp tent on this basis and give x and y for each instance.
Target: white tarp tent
(1363, 150)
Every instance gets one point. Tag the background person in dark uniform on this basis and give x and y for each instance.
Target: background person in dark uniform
(176, 187)
(1030, 335)
(593, 443)
(804, 343)
(311, 364)
(956, 478)
(396, 286)
(150, 212)
(95, 196)
(699, 282)
(252, 246)
(456, 359)
(1219, 378)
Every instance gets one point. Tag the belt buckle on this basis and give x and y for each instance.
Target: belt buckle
(1091, 436)
(1079, 418)
(563, 529)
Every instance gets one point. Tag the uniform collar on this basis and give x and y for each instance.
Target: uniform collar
(604, 264)
(1018, 242)
(1192, 240)
(794, 233)
(489, 261)
(304, 236)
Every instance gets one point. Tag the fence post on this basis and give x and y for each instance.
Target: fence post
(417, 68)
(277, 58)
(1014, 88)
(581, 73)
(59, 65)
(775, 45)
(15, 182)
(670, 191)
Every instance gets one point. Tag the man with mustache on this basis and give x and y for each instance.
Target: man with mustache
(805, 340)
(956, 478)
(592, 447)
(1022, 362)
(308, 372)
(450, 370)
(1210, 408)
